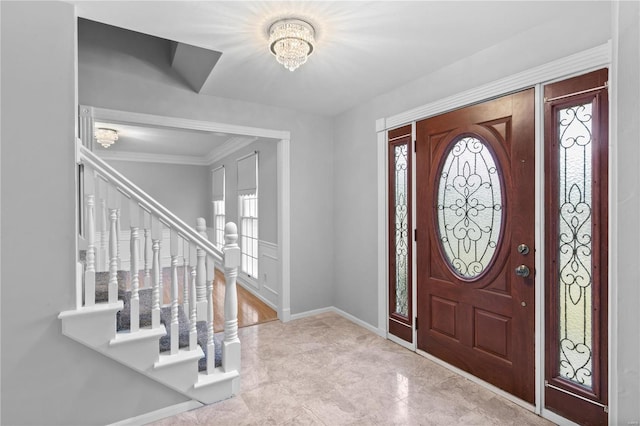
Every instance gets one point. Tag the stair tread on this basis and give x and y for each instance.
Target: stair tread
(98, 307)
(183, 355)
(144, 333)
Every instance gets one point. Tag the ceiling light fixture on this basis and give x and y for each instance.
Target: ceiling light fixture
(291, 41)
(106, 137)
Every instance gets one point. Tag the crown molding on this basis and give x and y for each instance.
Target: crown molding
(143, 157)
(104, 114)
(232, 144)
(593, 58)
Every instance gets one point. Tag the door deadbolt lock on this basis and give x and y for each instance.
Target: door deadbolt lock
(523, 249)
(523, 271)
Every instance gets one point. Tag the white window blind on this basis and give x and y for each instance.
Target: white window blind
(218, 184)
(248, 174)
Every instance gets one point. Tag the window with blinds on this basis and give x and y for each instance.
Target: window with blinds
(248, 213)
(218, 184)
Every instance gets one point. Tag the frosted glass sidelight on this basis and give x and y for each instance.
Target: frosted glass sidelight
(574, 243)
(469, 207)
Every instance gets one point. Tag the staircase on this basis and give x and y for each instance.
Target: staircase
(129, 311)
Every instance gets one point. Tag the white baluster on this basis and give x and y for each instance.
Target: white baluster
(155, 292)
(134, 220)
(104, 219)
(148, 251)
(113, 256)
(193, 317)
(185, 275)
(211, 349)
(231, 345)
(175, 326)
(201, 279)
(118, 233)
(90, 234)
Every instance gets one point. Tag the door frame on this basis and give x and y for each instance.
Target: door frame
(87, 115)
(573, 65)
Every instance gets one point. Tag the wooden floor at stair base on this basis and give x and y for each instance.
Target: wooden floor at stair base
(251, 310)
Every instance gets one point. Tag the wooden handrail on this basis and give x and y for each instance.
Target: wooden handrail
(129, 189)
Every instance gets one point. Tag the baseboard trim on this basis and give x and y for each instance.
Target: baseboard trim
(311, 313)
(160, 414)
(241, 281)
(358, 321)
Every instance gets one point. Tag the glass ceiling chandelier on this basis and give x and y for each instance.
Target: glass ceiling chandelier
(106, 137)
(291, 41)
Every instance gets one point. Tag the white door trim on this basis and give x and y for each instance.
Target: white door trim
(579, 63)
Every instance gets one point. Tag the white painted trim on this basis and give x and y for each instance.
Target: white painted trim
(284, 176)
(403, 343)
(273, 247)
(231, 145)
(145, 157)
(561, 421)
(242, 281)
(160, 414)
(104, 114)
(474, 379)
(284, 228)
(613, 223)
(579, 62)
(378, 331)
(357, 321)
(312, 313)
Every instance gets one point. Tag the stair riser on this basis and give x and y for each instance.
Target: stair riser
(140, 355)
(178, 376)
(219, 391)
(92, 330)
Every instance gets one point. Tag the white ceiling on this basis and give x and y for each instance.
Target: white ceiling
(363, 49)
(172, 145)
(164, 141)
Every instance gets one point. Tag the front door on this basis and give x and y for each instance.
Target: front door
(475, 240)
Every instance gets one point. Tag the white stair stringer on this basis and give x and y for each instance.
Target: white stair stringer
(95, 327)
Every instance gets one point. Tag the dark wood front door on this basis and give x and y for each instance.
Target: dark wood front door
(476, 240)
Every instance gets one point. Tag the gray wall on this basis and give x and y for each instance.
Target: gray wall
(267, 188)
(183, 189)
(626, 178)
(134, 75)
(48, 378)
(355, 174)
(355, 163)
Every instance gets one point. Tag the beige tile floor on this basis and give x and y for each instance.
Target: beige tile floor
(326, 370)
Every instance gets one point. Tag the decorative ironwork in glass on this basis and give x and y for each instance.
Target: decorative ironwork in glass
(575, 238)
(469, 207)
(401, 229)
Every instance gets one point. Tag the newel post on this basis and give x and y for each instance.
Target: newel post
(231, 344)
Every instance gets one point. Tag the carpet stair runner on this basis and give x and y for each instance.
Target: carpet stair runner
(123, 318)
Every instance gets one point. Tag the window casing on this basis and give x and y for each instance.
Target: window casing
(219, 222)
(249, 234)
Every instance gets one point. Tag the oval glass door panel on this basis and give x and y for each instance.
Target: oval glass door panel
(470, 213)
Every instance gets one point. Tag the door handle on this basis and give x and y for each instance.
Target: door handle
(523, 271)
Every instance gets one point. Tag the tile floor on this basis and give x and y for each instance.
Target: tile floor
(326, 370)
